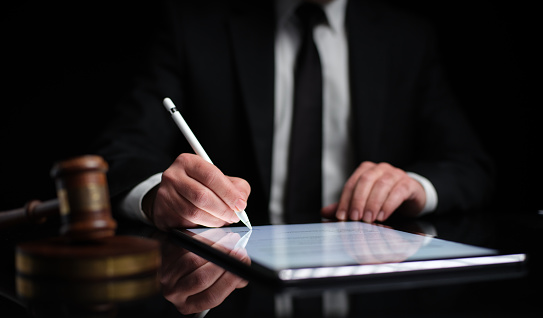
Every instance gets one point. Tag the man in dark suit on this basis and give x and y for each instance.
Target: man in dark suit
(393, 140)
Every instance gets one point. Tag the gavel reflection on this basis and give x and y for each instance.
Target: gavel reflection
(87, 263)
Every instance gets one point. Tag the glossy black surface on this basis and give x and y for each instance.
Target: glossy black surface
(186, 280)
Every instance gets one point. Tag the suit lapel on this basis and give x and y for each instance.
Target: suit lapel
(253, 45)
(368, 71)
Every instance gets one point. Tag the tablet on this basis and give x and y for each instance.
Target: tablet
(347, 253)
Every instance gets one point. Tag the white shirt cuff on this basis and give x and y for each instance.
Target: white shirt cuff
(431, 194)
(131, 204)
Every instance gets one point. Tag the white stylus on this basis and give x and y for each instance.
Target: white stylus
(189, 135)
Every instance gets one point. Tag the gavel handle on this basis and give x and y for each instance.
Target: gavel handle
(33, 212)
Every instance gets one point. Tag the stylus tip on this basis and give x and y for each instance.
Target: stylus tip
(245, 219)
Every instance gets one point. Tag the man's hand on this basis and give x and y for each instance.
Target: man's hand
(374, 192)
(194, 192)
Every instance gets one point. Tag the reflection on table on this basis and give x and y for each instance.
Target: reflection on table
(191, 284)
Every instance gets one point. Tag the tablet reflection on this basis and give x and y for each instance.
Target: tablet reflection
(379, 244)
(194, 284)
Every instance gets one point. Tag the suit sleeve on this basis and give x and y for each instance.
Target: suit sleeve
(142, 140)
(451, 155)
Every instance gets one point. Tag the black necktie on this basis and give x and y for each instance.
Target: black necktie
(303, 198)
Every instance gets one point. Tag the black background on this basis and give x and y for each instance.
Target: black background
(64, 67)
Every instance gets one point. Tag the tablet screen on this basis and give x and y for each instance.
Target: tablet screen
(333, 244)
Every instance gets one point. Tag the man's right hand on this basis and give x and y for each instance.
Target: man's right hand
(195, 192)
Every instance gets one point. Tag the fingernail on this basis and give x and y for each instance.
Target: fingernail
(368, 217)
(355, 215)
(240, 205)
(340, 215)
(381, 216)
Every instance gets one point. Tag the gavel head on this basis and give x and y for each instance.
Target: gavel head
(84, 198)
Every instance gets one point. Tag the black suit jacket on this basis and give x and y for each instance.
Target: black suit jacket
(215, 60)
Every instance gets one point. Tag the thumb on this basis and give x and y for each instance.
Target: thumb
(329, 211)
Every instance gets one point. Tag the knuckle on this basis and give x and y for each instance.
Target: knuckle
(368, 176)
(367, 164)
(401, 174)
(198, 280)
(373, 205)
(213, 298)
(385, 166)
(230, 193)
(200, 197)
(192, 214)
(193, 261)
(208, 175)
(168, 176)
(184, 158)
(386, 179)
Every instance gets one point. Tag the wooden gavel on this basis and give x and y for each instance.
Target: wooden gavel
(87, 263)
(82, 201)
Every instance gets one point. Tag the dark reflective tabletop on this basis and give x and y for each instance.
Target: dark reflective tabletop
(194, 287)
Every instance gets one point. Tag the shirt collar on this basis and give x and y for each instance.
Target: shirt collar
(334, 10)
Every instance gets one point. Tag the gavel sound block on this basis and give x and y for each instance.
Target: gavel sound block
(87, 263)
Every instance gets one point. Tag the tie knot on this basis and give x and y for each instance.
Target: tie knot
(310, 15)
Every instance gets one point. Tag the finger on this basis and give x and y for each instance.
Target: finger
(175, 270)
(210, 284)
(388, 248)
(200, 196)
(242, 185)
(179, 262)
(214, 295)
(242, 255)
(329, 211)
(223, 286)
(222, 241)
(344, 205)
(361, 194)
(401, 192)
(172, 259)
(378, 195)
(212, 178)
(196, 282)
(172, 209)
(199, 278)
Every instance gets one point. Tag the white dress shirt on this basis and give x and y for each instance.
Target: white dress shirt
(338, 159)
